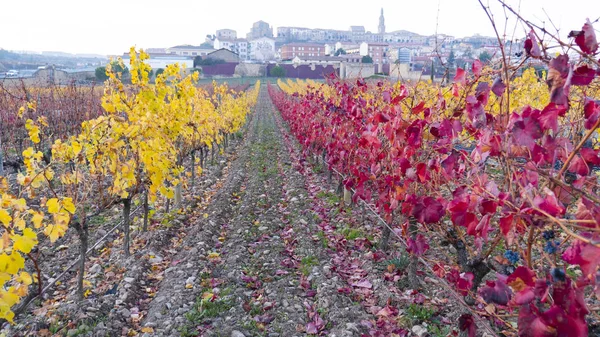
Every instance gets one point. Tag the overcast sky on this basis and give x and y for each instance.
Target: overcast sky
(112, 26)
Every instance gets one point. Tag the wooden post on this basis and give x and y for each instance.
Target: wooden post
(126, 214)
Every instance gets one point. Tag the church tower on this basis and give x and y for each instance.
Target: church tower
(381, 29)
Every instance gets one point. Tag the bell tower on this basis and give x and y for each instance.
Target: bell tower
(381, 28)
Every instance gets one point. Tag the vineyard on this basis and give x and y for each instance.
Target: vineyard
(344, 208)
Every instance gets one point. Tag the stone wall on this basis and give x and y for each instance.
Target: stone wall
(250, 70)
(45, 76)
(355, 70)
(402, 72)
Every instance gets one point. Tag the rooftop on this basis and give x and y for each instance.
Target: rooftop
(189, 46)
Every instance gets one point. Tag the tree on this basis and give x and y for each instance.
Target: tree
(468, 53)
(367, 59)
(101, 74)
(197, 60)
(119, 69)
(206, 45)
(159, 71)
(277, 71)
(340, 51)
(485, 57)
(101, 71)
(451, 59)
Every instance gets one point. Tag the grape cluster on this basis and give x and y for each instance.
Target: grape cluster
(558, 275)
(512, 256)
(548, 235)
(551, 246)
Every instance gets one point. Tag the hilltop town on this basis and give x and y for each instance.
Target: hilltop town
(301, 52)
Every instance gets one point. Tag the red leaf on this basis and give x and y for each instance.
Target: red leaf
(590, 156)
(428, 210)
(579, 166)
(558, 79)
(520, 278)
(387, 97)
(522, 281)
(506, 224)
(496, 291)
(420, 107)
(531, 46)
(531, 325)
(587, 256)
(586, 38)
(381, 118)
(477, 65)
(387, 311)
(549, 116)
(467, 323)
(498, 86)
(418, 246)
(549, 203)
(583, 75)
(465, 282)
(362, 284)
(526, 131)
(312, 328)
(591, 112)
(460, 77)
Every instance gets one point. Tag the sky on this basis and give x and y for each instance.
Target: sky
(110, 27)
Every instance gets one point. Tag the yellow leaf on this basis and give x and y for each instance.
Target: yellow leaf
(5, 244)
(11, 263)
(8, 298)
(3, 185)
(67, 204)
(5, 218)
(20, 205)
(55, 231)
(19, 224)
(76, 147)
(207, 296)
(213, 255)
(53, 206)
(147, 329)
(5, 277)
(37, 219)
(24, 278)
(25, 242)
(34, 131)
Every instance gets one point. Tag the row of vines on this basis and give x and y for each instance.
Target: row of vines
(76, 152)
(502, 166)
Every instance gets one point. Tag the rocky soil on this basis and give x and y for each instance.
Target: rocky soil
(264, 247)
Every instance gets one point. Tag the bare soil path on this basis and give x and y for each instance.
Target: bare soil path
(253, 267)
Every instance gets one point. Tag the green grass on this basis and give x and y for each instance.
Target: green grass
(400, 262)
(323, 239)
(307, 263)
(419, 313)
(204, 309)
(331, 198)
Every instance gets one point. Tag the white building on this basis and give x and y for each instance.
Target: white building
(239, 46)
(189, 50)
(226, 34)
(157, 61)
(262, 49)
(221, 43)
